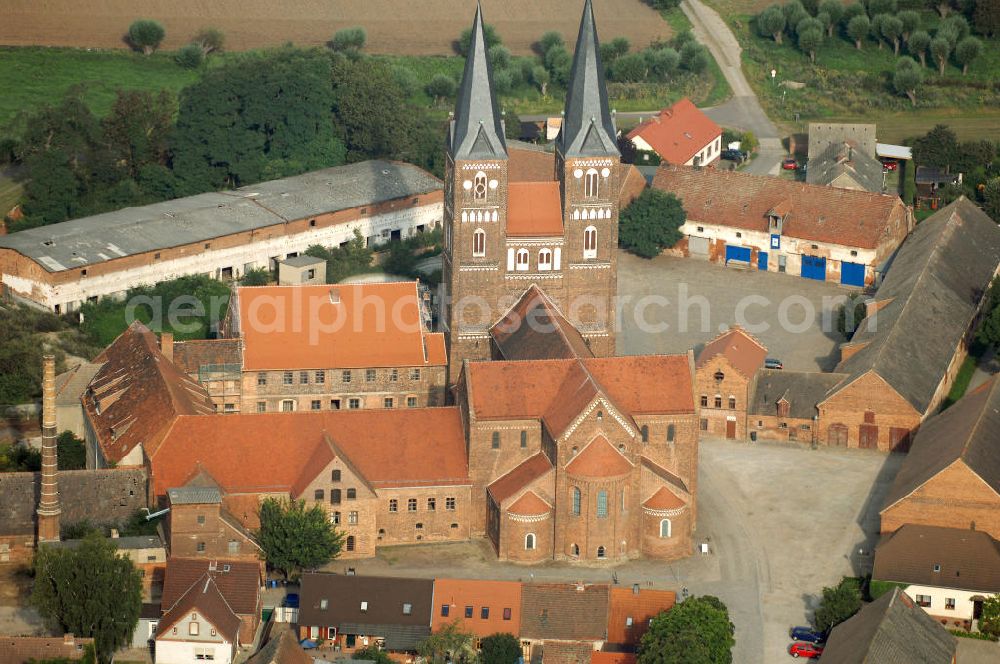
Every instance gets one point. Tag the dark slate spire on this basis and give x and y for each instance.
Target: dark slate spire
(476, 131)
(587, 130)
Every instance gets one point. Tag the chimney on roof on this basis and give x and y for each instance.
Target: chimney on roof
(334, 296)
(167, 345)
(48, 504)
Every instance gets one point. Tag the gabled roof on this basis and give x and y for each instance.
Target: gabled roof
(519, 477)
(735, 199)
(966, 559)
(743, 351)
(968, 432)
(206, 599)
(476, 131)
(72, 383)
(599, 459)
(342, 326)
(529, 504)
(137, 394)
(535, 329)
(22, 649)
(801, 389)
(845, 160)
(534, 209)
(933, 290)
(824, 134)
(238, 582)
(631, 609)
(497, 596)
(588, 129)
(564, 612)
(890, 630)
(678, 132)
(282, 648)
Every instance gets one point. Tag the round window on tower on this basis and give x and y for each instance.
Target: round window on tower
(578, 174)
(467, 185)
(605, 172)
(494, 184)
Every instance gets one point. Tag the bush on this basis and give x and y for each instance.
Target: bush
(71, 452)
(190, 56)
(489, 34)
(838, 604)
(146, 35)
(662, 62)
(210, 40)
(500, 57)
(651, 223)
(549, 40)
(349, 40)
(503, 81)
(406, 79)
(256, 276)
(630, 68)
(441, 87)
(907, 78)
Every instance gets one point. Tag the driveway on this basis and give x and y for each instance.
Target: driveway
(672, 305)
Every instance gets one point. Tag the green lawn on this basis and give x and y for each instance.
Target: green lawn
(962, 380)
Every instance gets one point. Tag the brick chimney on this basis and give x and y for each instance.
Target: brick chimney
(48, 504)
(167, 345)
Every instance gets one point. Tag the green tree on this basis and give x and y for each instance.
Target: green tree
(876, 28)
(938, 147)
(189, 56)
(918, 44)
(989, 620)
(500, 57)
(810, 40)
(90, 591)
(858, 28)
(986, 17)
(629, 68)
(294, 537)
(696, 631)
(907, 78)
(661, 5)
(451, 643)
(852, 10)
(892, 29)
(940, 49)
(910, 20)
(839, 603)
(771, 23)
(876, 7)
(146, 35)
(441, 87)
(500, 648)
(909, 182)
(958, 25)
(966, 51)
(694, 57)
(138, 128)
(614, 49)
(16, 458)
(540, 77)
(991, 199)
(651, 223)
(52, 191)
(72, 454)
(834, 9)
(349, 40)
(256, 276)
(558, 61)
(550, 40)
(850, 314)
(372, 654)
(988, 333)
(662, 62)
(794, 13)
(210, 40)
(490, 35)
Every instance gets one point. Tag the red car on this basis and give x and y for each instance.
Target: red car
(890, 165)
(789, 164)
(803, 649)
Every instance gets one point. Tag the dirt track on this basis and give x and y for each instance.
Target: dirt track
(414, 27)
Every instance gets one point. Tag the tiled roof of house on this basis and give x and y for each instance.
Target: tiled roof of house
(663, 499)
(523, 474)
(890, 630)
(631, 609)
(71, 384)
(564, 612)
(502, 599)
(931, 295)
(205, 598)
(801, 389)
(532, 163)
(843, 160)
(390, 448)
(678, 132)
(282, 648)
(965, 559)
(529, 504)
(137, 394)
(968, 432)
(535, 329)
(824, 134)
(23, 649)
(601, 657)
(239, 582)
(744, 352)
(599, 459)
(567, 652)
(816, 213)
(534, 209)
(193, 355)
(342, 326)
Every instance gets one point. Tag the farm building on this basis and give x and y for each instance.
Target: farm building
(768, 223)
(680, 134)
(221, 234)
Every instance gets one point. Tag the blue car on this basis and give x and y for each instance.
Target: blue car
(807, 634)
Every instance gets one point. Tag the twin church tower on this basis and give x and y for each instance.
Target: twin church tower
(516, 217)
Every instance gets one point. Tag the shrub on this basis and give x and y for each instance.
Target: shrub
(771, 23)
(211, 40)
(349, 40)
(405, 79)
(500, 57)
(489, 34)
(549, 40)
(503, 81)
(966, 51)
(662, 62)
(629, 68)
(146, 35)
(190, 56)
(907, 78)
(876, 7)
(858, 28)
(441, 87)
(810, 40)
(794, 12)
(256, 276)
(838, 604)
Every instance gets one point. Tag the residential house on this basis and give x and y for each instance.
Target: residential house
(198, 526)
(680, 134)
(237, 583)
(890, 630)
(766, 223)
(200, 625)
(563, 622)
(630, 612)
(951, 477)
(477, 606)
(222, 234)
(28, 649)
(903, 357)
(783, 404)
(724, 371)
(947, 571)
(356, 612)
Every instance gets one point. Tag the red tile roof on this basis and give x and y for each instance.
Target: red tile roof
(22, 649)
(818, 213)
(535, 329)
(743, 351)
(564, 611)
(523, 474)
(534, 209)
(497, 596)
(239, 585)
(390, 448)
(638, 608)
(190, 356)
(599, 459)
(678, 133)
(529, 505)
(663, 499)
(537, 165)
(205, 598)
(339, 326)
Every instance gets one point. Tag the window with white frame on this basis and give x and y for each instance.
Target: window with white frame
(545, 259)
(479, 242)
(665, 527)
(923, 600)
(522, 259)
(529, 542)
(590, 183)
(590, 242)
(479, 185)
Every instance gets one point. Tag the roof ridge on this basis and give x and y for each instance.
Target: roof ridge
(979, 420)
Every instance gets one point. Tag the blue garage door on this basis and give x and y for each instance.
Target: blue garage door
(762, 261)
(737, 254)
(814, 267)
(852, 274)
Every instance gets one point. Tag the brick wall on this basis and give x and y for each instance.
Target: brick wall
(355, 517)
(734, 384)
(678, 545)
(867, 397)
(438, 522)
(197, 531)
(772, 427)
(513, 534)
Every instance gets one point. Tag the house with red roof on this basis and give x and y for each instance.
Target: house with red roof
(724, 371)
(680, 134)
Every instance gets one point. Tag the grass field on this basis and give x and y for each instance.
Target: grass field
(720, 90)
(10, 193)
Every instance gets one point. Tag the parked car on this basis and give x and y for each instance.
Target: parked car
(790, 164)
(774, 363)
(803, 649)
(735, 155)
(292, 600)
(890, 164)
(807, 634)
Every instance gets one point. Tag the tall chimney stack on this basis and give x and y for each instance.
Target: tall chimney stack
(48, 505)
